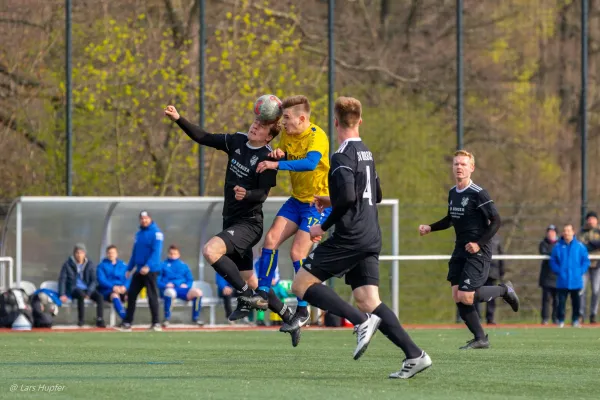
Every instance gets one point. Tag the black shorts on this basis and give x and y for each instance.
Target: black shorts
(240, 237)
(329, 260)
(469, 273)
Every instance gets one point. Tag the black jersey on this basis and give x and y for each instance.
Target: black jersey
(241, 170)
(469, 211)
(353, 167)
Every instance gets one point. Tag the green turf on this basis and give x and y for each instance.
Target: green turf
(523, 363)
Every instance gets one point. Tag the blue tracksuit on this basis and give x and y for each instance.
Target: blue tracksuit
(147, 249)
(175, 272)
(110, 275)
(569, 262)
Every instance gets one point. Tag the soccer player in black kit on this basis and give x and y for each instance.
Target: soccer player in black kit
(353, 249)
(476, 220)
(230, 251)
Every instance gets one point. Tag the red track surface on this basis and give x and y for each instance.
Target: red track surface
(262, 328)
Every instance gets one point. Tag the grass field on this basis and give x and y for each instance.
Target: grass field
(522, 363)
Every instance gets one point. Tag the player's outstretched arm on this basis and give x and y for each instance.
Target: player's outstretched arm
(302, 165)
(318, 146)
(196, 133)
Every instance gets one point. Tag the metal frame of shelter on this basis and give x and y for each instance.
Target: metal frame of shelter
(16, 208)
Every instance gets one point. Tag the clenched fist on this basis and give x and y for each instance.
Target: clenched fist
(240, 193)
(172, 113)
(424, 229)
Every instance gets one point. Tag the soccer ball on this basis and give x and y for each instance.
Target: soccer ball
(267, 108)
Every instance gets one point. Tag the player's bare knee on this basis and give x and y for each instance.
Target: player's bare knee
(272, 239)
(113, 295)
(466, 298)
(297, 254)
(367, 305)
(212, 252)
(207, 252)
(195, 292)
(367, 298)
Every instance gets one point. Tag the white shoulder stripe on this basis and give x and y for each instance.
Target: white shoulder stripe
(342, 148)
(476, 186)
(483, 204)
(341, 166)
(476, 189)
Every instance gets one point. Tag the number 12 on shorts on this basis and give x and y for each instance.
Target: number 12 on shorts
(367, 193)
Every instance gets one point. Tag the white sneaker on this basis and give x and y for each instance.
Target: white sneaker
(365, 332)
(412, 366)
(155, 328)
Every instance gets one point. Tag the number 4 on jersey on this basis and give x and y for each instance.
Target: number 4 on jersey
(367, 193)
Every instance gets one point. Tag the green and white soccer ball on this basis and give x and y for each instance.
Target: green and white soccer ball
(267, 108)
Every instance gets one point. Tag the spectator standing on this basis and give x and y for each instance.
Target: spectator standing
(547, 280)
(569, 261)
(145, 259)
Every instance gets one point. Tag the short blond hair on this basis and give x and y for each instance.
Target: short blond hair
(299, 103)
(348, 111)
(464, 153)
